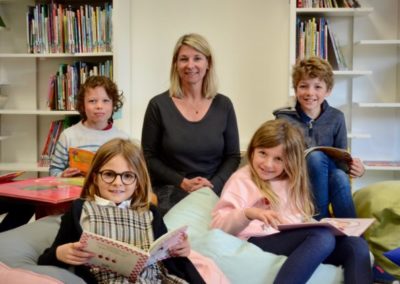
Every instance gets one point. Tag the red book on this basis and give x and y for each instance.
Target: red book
(52, 190)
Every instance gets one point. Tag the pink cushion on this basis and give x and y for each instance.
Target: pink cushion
(20, 276)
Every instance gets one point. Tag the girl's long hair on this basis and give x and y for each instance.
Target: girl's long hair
(279, 132)
(133, 155)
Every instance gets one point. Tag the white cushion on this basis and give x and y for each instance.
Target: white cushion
(241, 261)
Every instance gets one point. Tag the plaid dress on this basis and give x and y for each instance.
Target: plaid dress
(128, 226)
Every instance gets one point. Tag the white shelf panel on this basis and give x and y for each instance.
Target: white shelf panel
(382, 105)
(352, 73)
(358, 135)
(38, 112)
(28, 167)
(54, 55)
(379, 42)
(345, 12)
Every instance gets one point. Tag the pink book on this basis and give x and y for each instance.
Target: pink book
(52, 190)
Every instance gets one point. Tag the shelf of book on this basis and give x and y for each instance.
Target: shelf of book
(379, 42)
(352, 73)
(27, 167)
(379, 105)
(382, 165)
(345, 12)
(38, 112)
(55, 55)
(355, 135)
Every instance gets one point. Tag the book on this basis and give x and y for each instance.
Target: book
(341, 157)
(51, 190)
(393, 255)
(126, 259)
(339, 226)
(10, 176)
(80, 159)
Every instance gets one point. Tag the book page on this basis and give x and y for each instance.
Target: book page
(350, 226)
(115, 256)
(338, 226)
(159, 249)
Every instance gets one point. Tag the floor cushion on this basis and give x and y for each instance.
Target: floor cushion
(381, 201)
(240, 261)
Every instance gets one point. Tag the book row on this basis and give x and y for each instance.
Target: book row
(56, 28)
(328, 4)
(64, 85)
(55, 129)
(315, 38)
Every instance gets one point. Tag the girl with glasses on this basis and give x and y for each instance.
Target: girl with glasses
(115, 203)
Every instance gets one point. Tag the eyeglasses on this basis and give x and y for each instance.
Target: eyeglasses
(108, 176)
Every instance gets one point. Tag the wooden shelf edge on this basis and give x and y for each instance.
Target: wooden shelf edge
(55, 55)
(336, 11)
(27, 167)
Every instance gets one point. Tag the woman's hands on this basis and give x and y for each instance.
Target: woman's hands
(193, 184)
(356, 168)
(182, 249)
(269, 217)
(73, 253)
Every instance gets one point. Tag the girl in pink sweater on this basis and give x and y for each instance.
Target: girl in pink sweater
(273, 189)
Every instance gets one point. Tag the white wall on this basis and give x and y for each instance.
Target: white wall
(250, 40)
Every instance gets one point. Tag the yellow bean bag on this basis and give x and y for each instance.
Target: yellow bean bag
(381, 201)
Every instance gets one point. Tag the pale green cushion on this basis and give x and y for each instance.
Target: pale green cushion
(381, 201)
(241, 261)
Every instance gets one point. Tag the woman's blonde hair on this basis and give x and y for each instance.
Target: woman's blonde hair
(199, 43)
(279, 132)
(132, 153)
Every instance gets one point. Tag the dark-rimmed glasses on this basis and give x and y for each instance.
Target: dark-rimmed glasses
(108, 176)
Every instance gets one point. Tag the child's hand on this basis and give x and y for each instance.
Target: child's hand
(269, 217)
(70, 172)
(181, 249)
(356, 168)
(73, 253)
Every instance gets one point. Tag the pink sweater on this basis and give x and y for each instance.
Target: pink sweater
(239, 193)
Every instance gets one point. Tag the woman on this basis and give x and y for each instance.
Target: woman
(190, 136)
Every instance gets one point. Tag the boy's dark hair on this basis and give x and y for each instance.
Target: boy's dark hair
(99, 81)
(313, 67)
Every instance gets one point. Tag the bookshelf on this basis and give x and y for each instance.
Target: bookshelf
(25, 118)
(367, 91)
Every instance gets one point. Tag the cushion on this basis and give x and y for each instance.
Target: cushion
(381, 201)
(21, 247)
(238, 259)
(22, 276)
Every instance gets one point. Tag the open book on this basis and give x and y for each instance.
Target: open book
(341, 157)
(339, 226)
(126, 259)
(80, 159)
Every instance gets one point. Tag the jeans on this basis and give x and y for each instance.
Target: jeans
(330, 185)
(306, 249)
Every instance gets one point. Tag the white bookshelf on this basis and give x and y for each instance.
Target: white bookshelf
(368, 92)
(25, 119)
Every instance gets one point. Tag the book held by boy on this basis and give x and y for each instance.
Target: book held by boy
(341, 157)
(339, 226)
(127, 259)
